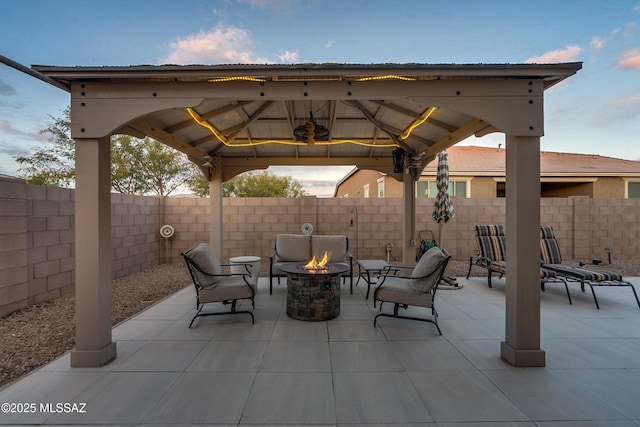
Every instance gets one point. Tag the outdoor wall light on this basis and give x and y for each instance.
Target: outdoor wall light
(398, 160)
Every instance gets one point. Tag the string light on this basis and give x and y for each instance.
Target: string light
(238, 78)
(386, 77)
(199, 120)
(414, 125)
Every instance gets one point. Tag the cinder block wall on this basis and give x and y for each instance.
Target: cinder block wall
(37, 240)
(37, 259)
(251, 224)
(583, 226)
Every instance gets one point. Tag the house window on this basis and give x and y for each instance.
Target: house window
(381, 188)
(501, 189)
(366, 191)
(430, 189)
(633, 190)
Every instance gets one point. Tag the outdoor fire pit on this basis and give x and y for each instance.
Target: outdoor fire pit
(313, 292)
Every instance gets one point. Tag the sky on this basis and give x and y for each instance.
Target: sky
(597, 111)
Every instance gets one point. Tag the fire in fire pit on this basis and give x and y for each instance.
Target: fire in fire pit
(316, 264)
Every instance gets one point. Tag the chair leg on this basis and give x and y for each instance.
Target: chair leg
(222, 313)
(199, 308)
(351, 281)
(624, 284)
(594, 295)
(470, 265)
(635, 294)
(420, 319)
(568, 294)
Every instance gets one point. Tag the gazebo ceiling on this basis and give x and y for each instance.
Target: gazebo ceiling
(253, 116)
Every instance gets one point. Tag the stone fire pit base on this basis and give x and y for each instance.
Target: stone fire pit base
(313, 297)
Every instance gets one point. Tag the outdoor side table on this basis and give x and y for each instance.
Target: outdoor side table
(367, 267)
(238, 265)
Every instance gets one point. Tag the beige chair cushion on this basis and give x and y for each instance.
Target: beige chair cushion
(293, 247)
(423, 277)
(227, 289)
(399, 290)
(204, 257)
(336, 245)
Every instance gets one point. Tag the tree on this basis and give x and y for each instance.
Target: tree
(55, 164)
(262, 184)
(147, 166)
(253, 184)
(137, 166)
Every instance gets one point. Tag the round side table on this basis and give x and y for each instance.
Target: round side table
(254, 267)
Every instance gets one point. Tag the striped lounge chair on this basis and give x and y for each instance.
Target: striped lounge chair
(491, 242)
(552, 259)
(490, 253)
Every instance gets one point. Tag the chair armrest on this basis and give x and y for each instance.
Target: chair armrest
(221, 275)
(397, 276)
(580, 262)
(397, 268)
(479, 258)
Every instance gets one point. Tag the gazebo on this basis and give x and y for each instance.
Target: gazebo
(229, 119)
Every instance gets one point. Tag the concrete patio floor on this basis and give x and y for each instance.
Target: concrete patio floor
(280, 371)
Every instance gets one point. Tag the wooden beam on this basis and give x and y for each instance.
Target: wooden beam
(162, 136)
(248, 121)
(456, 136)
(414, 115)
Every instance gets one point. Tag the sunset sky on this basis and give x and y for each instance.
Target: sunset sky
(597, 111)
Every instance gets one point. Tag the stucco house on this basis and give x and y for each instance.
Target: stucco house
(479, 172)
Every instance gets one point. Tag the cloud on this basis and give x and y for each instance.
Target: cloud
(275, 5)
(288, 57)
(329, 44)
(597, 43)
(630, 100)
(631, 28)
(567, 55)
(630, 60)
(7, 129)
(222, 45)
(7, 90)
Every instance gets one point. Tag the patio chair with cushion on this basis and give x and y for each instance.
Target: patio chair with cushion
(491, 251)
(213, 285)
(417, 289)
(552, 259)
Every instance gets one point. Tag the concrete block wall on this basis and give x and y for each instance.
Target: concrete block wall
(37, 259)
(251, 224)
(37, 240)
(583, 226)
(14, 253)
(135, 233)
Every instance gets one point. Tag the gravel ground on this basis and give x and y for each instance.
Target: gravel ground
(36, 335)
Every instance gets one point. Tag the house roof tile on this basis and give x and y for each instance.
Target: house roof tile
(474, 160)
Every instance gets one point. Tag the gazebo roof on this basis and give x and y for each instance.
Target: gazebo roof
(254, 116)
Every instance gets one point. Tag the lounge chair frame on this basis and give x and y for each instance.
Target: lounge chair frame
(491, 250)
(492, 244)
(552, 259)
